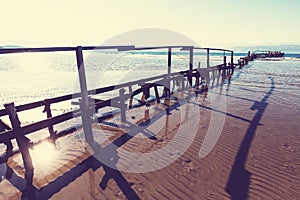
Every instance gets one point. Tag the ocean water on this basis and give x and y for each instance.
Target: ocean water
(258, 76)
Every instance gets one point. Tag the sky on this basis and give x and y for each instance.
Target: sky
(209, 23)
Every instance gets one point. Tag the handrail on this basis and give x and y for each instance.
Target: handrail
(19, 133)
(56, 49)
(10, 134)
(119, 48)
(90, 92)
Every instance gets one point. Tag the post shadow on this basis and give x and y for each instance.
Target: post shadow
(54, 187)
(65, 179)
(239, 178)
(92, 162)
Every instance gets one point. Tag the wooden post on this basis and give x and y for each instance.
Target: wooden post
(207, 78)
(169, 71)
(198, 76)
(207, 62)
(3, 127)
(156, 94)
(143, 99)
(130, 89)
(122, 105)
(22, 142)
(231, 61)
(191, 62)
(84, 106)
(225, 64)
(47, 109)
(146, 92)
(224, 67)
(130, 102)
(130, 99)
(182, 83)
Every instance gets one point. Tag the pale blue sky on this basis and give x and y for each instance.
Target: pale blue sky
(91, 22)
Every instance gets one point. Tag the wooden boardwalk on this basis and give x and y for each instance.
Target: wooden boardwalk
(192, 78)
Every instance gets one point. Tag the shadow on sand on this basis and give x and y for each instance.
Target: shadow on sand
(239, 179)
(111, 158)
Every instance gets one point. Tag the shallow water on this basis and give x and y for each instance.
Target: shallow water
(257, 77)
(32, 77)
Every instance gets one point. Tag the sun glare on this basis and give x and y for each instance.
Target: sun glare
(44, 154)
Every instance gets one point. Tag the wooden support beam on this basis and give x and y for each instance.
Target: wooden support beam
(198, 76)
(123, 105)
(47, 109)
(191, 63)
(22, 141)
(231, 61)
(169, 72)
(86, 112)
(207, 78)
(156, 94)
(207, 56)
(4, 126)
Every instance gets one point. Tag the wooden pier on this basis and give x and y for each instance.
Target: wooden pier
(267, 54)
(191, 78)
(262, 55)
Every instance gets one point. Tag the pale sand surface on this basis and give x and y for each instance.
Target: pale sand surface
(8, 191)
(257, 156)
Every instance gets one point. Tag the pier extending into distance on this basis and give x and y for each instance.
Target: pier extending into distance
(193, 77)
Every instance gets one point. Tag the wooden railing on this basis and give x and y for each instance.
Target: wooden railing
(87, 103)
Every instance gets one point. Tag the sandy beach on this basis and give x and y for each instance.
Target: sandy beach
(255, 157)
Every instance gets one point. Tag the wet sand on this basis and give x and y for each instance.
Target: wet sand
(257, 156)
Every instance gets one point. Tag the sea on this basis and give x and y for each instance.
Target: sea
(30, 77)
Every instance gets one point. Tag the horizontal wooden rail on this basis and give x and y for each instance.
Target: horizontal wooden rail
(58, 49)
(60, 118)
(9, 135)
(88, 48)
(90, 92)
(88, 101)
